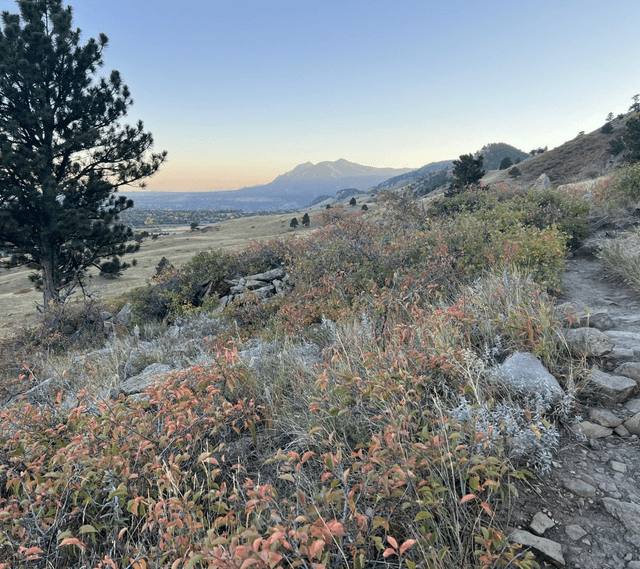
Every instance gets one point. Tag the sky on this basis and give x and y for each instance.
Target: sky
(239, 92)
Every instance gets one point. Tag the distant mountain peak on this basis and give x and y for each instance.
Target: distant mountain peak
(335, 170)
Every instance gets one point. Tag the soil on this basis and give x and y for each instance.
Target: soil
(590, 474)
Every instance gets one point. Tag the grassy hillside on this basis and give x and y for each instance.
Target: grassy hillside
(390, 444)
(585, 156)
(18, 297)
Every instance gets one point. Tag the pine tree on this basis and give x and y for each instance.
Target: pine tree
(467, 172)
(63, 151)
(294, 223)
(306, 220)
(505, 163)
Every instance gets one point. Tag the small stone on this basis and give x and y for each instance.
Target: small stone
(591, 430)
(604, 417)
(580, 488)
(608, 487)
(575, 532)
(622, 431)
(633, 424)
(633, 565)
(633, 405)
(618, 466)
(547, 547)
(541, 523)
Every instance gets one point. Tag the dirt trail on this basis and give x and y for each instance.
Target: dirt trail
(592, 494)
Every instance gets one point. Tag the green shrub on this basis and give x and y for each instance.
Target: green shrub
(626, 190)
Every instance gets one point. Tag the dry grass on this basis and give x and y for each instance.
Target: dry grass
(18, 298)
(622, 256)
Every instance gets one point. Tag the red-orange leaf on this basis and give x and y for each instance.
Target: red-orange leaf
(392, 541)
(388, 551)
(316, 547)
(407, 544)
(467, 498)
(32, 551)
(72, 541)
(486, 508)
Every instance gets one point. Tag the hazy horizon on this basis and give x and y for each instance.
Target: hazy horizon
(239, 93)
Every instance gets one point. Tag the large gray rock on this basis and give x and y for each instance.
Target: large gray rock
(547, 547)
(627, 512)
(125, 316)
(542, 183)
(589, 342)
(626, 340)
(149, 375)
(612, 388)
(523, 372)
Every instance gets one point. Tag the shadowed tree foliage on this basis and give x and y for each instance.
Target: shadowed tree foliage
(515, 172)
(467, 171)
(306, 220)
(505, 163)
(631, 139)
(63, 150)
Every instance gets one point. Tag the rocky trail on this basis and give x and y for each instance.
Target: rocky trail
(585, 513)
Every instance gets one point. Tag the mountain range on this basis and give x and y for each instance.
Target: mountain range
(293, 190)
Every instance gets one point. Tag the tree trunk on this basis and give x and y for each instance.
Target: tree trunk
(49, 288)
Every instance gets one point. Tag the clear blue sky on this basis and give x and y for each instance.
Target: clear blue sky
(239, 92)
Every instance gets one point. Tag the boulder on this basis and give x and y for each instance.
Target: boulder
(589, 342)
(524, 373)
(542, 183)
(125, 316)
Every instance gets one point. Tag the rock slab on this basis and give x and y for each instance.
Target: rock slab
(627, 512)
(545, 546)
(614, 388)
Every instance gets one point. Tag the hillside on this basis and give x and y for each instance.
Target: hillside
(585, 156)
(405, 179)
(495, 152)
